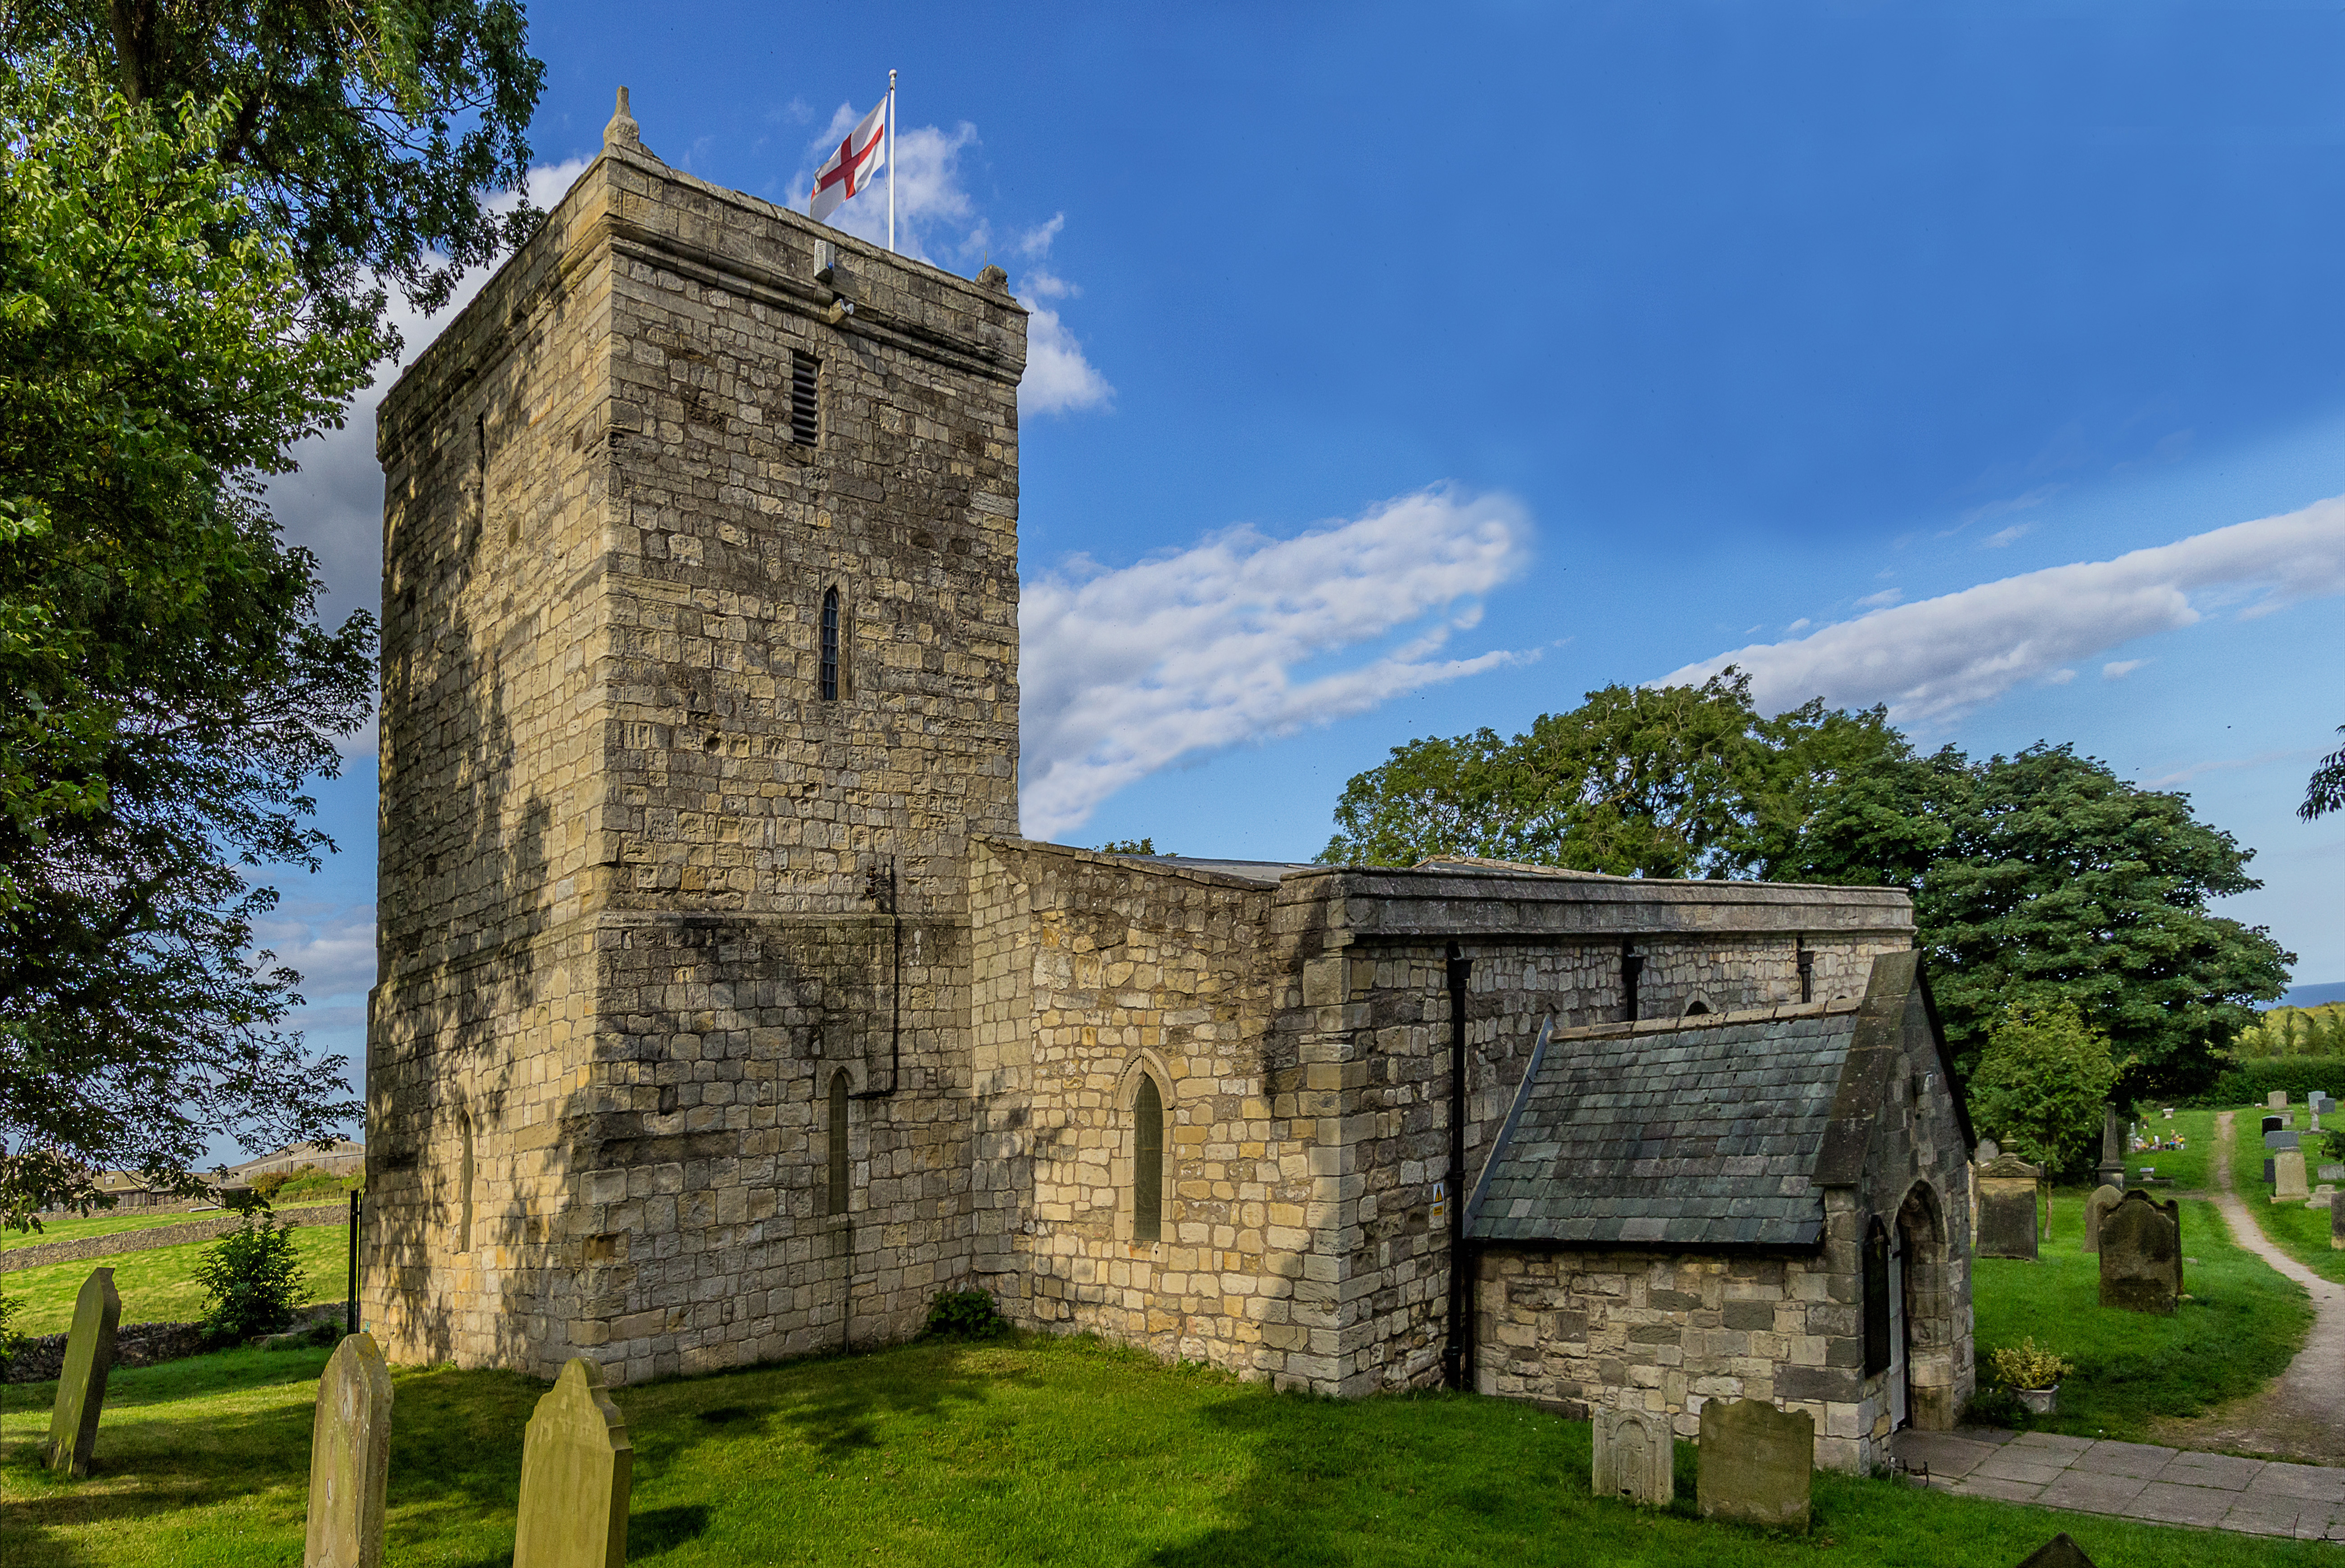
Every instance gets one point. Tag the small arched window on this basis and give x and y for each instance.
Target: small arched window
(834, 1185)
(1876, 1300)
(464, 1181)
(1147, 1162)
(830, 645)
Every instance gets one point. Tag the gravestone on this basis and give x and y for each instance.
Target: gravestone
(2057, 1552)
(2267, 1170)
(2169, 1113)
(2289, 1176)
(2096, 1211)
(2006, 1227)
(2111, 1170)
(2277, 1100)
(349, 1458)
(1757, 1464)
(2272, 1124)
(81, 1384)
(2323, 1196)
(577, 1467)
(2141, 1255)
(1634, 1457)
(2332, 1173)
(2276, 1141)
(2327, 1104)
(1989, 1151)
(2337, 1225)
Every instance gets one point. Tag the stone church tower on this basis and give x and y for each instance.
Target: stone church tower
(700, 669)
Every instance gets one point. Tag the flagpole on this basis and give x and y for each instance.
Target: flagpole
(891, 160)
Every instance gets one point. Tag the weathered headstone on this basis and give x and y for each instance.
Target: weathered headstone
(2336, 1226)
(81, 1385)
(2332, 1173)
(2272, 1124)
(2006, 1227)
(2322, 1197)
(577, 1467)
(2277, 1100)
(1758, 1463)
(349, 1458)
(2111, 1170)
(2096, 1211)
(2287, 1168)
(2276, 1141)
(1634, 1457)
(1989, 1151)
(2269, 1173)
(2057, 1552)
(2141, 1255)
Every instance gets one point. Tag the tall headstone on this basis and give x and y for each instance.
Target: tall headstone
(2141, 1255)
(1758, 1463)
(349, 1458)
(2112, 1166)
(2287, 1176)
(2096, 1212)
(577, 1467)
(2006, 1227)
(2277, 1100)
(81, 1385)
(1634, 1455)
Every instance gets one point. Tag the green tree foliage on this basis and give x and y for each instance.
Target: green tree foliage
(1131, 847)
(2325, 791)
(164, 687)
(2041, 1083)
(367, 134)
(2038, 878)
(251, 1279)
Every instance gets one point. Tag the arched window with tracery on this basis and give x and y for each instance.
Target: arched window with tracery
(835, 1184)
(1147, 1161)
(830, 645)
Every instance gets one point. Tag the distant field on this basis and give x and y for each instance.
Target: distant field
(159, 1287)
(75, 1229)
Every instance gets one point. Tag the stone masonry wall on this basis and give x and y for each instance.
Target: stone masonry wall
(645, 888)
(1092, 971)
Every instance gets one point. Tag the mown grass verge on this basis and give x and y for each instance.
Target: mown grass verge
(1028, 1451)
(159, 1285)
(2242, 1325)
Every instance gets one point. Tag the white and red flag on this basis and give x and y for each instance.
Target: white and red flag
(853, 166)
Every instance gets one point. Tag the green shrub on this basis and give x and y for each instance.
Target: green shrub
(2028, 1365)
(10, 1338)
(2249, 1082)
(253, 1279)
(271, 1184)
(965, 1315)
(2041, 1084)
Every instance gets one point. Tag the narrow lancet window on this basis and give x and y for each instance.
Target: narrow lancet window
(835, 1193)
(830, 645)
(1876, 1300)
(1147, 1162)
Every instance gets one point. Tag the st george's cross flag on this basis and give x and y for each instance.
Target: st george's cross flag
(853, 164)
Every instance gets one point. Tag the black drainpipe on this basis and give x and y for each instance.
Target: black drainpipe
(885, 893)
(1457, 1351)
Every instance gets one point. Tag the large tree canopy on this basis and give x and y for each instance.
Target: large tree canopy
(370, 134)
(2038, 880)
(165, 688)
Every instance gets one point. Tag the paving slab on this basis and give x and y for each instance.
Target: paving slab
(2310, 1482)
(2007, 1464)
(2088, 1493)
(1947, 1454)
(2227, 1471)
(2138, 1458)
(2163, 1502)
(2052, 1442)
(2001, 1490)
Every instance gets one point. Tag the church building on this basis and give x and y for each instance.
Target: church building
(724, 1015)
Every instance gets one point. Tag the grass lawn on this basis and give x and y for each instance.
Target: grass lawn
(2187, 1166)
(159, 1287)
(2303, 1233)
(2242, 1325)
(75, 1229)
(1032, 1452)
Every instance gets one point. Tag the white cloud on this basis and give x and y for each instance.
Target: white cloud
(1937, 655)
(1131, 670)
(2118, 669)
(2012, 535)
(332, 948)
(2226, 764)
(2059, 677)
(1058, 377)
(1875, 600)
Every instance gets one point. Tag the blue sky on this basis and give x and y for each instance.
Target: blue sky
(1404, 371)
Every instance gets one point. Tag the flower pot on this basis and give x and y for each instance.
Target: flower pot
(2042, 1401)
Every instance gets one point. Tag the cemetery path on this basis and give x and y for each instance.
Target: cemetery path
(2302, 1414)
